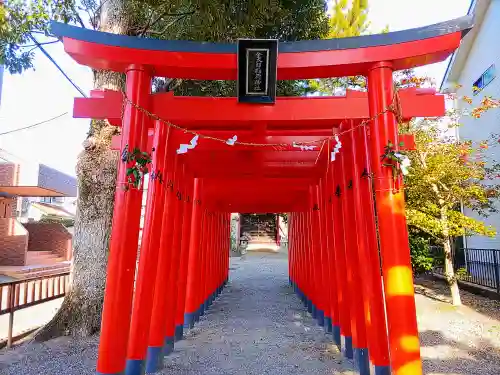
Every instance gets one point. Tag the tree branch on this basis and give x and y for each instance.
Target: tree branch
(180, 16)
(39, 44)
(78, 18)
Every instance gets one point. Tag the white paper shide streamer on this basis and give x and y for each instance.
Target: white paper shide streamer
(232, 141)
(404, 162)
(304, 147)
(336, 148)
(183, 148)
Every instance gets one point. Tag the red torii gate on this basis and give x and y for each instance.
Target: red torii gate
(183, 262)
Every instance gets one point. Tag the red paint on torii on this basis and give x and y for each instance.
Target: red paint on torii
(331, 203)
(304, 113)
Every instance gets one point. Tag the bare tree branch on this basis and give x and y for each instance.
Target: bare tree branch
(179, 16)
(39, 44)
(78, 18)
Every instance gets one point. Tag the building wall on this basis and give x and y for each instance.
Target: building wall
(53, 179)
(9, 174)
(49, 237)
(7, 207)
(13, 243)
(483, 54)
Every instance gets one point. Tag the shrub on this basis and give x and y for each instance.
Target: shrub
(421, 258)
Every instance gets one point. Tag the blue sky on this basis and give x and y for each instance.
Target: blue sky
(44, 93)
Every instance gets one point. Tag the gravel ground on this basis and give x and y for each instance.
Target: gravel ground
(258, 326)
(457, 340)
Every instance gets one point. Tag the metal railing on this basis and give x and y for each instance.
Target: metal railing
(476, 266)
(21, 294)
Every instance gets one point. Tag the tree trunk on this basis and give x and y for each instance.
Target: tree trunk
(448, 261)
(80, 313)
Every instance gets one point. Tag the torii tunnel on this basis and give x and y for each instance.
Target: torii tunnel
(347, 224)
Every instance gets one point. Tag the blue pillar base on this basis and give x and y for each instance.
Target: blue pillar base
(179, 332)
(154, 360)
(362, 361)
(346, 345)
(314, 312)
(202, 309)
(135, 367)
(320, 316)
(309, 306)
(382, 370)
(336, 335)
(328, 324)
(189, 320)
(197, 316)
(168, 346)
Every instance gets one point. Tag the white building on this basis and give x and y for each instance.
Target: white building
(477, 64)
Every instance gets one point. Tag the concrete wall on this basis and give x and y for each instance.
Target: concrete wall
(13, 243)
(50, 237)
(485, 51)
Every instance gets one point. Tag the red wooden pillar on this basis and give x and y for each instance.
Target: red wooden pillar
(171, 287)
(327, 256)
(306, 285)
(356, 253)
(305, 227)
(193, 257)
(156, 347)
(183, 264)
(146, 274)
(227, 252)
(291, 257)
(212, 262)
(118, 295)
(321, 262)
(204, 274)
(329, 201)
(219, 246)
(404, 346)
(369, 261)
(340, 244)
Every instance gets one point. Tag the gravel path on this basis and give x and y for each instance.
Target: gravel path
(457, 340)
(257, 326)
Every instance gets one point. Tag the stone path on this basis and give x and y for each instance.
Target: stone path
(258, 326)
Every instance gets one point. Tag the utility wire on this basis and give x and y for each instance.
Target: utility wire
(57, 65)
(34, 125)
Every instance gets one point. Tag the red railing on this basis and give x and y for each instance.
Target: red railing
(21, 294)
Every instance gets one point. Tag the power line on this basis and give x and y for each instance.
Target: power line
(57, 65)
(34, 125)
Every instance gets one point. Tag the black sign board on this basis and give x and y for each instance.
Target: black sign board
(257, 68)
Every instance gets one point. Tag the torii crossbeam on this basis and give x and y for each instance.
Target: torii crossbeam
(333, 238)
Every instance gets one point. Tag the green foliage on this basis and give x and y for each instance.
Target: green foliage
(19, 19)
(138, 162)
(445, 173)
(421, 258)
(347, 19)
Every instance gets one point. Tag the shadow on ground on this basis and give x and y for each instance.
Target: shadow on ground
(483, 359)
(439, 291)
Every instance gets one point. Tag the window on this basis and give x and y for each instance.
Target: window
(485, 79)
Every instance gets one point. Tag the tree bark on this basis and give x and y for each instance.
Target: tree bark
(80, 313)
(448, 261)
